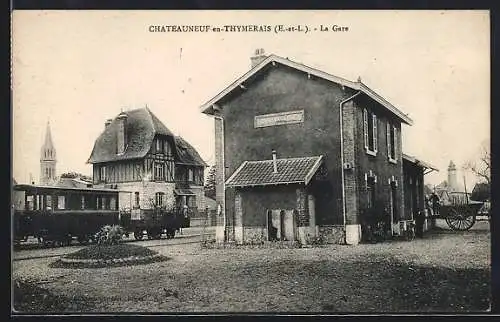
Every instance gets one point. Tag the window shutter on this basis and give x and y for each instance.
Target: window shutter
(388, 140)
(375, 134)
(365, 126)
(395, 142)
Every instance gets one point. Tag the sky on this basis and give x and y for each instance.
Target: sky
(79, 68)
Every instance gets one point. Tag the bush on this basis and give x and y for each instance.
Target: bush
(110, 235)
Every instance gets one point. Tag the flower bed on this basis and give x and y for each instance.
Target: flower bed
(108, 255)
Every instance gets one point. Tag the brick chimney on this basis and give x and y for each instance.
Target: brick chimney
(258, 57)
(121, 132)
(108, 122)
(275, 165)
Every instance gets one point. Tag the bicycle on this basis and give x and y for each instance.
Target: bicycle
(409, 232)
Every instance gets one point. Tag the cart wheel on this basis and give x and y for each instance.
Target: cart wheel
(460, 222)
(138, 235)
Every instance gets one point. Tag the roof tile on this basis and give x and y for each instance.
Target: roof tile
(259, 173)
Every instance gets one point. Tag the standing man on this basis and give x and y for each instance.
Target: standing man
(435, 203)
(419, 223)
(185, 216)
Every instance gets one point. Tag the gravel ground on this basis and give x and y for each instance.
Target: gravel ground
(444, 272)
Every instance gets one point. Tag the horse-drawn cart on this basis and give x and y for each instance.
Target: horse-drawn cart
(459, 212)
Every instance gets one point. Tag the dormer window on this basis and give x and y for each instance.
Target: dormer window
(370, 132)
(159, 171)
(159, 145)
(391, 142)
(102, 173)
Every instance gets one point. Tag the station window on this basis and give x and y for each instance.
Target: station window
(391, 142)
(370, 131)
(370, 189)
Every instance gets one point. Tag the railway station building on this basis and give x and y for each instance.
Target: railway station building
(301, 154)
(136, 152)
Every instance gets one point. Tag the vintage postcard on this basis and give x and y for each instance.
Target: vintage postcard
(316, 162)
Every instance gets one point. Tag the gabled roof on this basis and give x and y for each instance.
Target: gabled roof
(187, 154)
(141, 127)
(260, 173)
(207, 108)
(419, 162)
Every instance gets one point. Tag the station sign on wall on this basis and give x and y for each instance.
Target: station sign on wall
(291, 117)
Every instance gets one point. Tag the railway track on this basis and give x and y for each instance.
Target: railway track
(32, 243)
(184, 240)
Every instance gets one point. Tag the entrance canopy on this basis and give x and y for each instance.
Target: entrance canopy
(184, 192)
(288, 171)
(428, 168)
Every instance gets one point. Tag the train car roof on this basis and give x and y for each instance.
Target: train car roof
(32, 186)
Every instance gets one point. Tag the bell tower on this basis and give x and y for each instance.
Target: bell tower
(48, 159)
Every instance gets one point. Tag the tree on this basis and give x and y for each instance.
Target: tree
(481, 192)
(210, 183)
(482, 167)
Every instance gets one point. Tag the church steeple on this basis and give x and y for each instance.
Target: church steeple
(48, 159)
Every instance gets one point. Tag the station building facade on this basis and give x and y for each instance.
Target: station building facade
(302, 154)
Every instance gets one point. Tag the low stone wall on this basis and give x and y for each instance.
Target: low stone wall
(305, 235)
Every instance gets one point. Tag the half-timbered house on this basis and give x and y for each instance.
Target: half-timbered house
(137, 152)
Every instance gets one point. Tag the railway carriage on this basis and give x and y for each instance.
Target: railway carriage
(56, 214)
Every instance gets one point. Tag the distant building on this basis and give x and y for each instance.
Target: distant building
(48, 160)
(137, 152)
(451, 191)
(73, 183)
